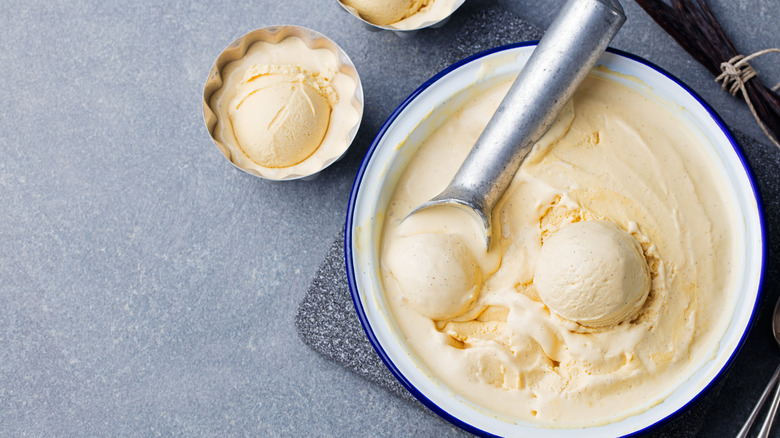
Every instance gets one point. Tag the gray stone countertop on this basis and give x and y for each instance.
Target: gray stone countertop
(147, 287)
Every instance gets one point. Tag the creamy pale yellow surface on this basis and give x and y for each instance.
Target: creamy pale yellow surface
(280, 114)
(383, 12)
(402, 14)
(618, 159)
(285, 108)
(593, 273)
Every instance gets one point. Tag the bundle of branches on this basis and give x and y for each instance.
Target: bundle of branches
(692, 24)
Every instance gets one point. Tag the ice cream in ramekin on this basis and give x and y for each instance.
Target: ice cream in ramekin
(402, 15)
(283, 102)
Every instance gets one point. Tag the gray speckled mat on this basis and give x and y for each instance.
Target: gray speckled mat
(327, 322)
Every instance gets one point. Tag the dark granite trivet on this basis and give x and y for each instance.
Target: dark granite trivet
(327, 322)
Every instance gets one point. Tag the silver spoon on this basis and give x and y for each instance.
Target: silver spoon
(770, 416)
(567, 52)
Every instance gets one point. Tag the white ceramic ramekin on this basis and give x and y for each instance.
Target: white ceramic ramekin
(417, 117)
(327, 154)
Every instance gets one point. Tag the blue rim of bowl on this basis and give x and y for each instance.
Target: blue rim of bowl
(359, 178)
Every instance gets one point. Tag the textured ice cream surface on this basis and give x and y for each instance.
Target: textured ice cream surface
(281, 114)
(286, 108)
(437, 273)
(384, 12)
(616, 155)
(593, 273)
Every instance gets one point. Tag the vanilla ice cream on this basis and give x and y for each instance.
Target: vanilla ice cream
(280, 114)
(437, 273)
(593, 273)
(384, 12)
(610, 276)
(285, 108)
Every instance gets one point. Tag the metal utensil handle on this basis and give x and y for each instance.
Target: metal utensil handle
(770, 415)
(743, 433)
(567, 52)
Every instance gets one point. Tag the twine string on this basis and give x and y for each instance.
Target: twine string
(735, 72)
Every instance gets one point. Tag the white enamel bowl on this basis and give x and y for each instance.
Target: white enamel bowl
(417, 116)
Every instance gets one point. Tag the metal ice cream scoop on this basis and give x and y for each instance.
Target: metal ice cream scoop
(567, 52)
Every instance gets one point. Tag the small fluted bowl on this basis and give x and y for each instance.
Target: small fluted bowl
(345, 116)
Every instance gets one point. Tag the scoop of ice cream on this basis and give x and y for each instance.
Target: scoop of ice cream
(280, 115)
(437, 273)
(593, 273)
(383, 12)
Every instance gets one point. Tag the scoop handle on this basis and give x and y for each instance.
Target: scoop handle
(568, 51)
